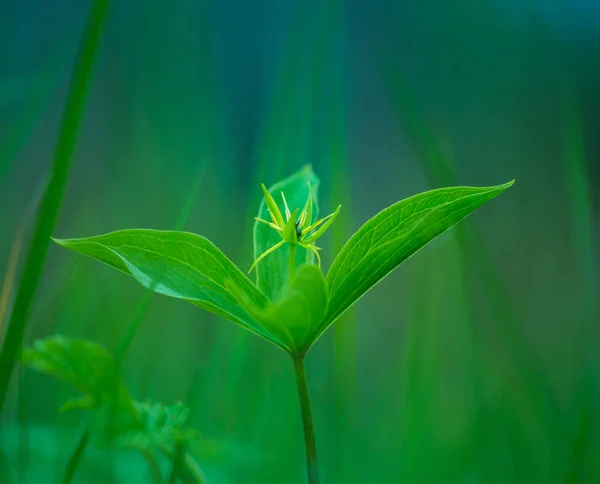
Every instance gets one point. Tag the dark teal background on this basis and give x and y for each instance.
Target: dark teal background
(474, 362)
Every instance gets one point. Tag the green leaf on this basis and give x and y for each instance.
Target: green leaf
(177, 264)
(272, 271)
(296, 316)
(152, 427)
(392, 236)
(83, 364)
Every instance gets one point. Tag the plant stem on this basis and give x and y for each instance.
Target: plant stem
(76, 457)
(185, 468)
(191, 472)
(291, 262)
(153, 468)
(312, 467)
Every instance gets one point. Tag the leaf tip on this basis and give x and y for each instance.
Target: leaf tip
(505, 186)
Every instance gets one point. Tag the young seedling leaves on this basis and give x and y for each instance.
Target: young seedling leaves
(83, 364)
(272, 271)
(178, 264)
(118, 420)
(392, 236)
(152, 427)
(294, 318)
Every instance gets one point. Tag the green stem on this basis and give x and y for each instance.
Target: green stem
(153, 468)
(312, 467)
(186, 469)
(291, 262)
(192, 473)
(76, 457)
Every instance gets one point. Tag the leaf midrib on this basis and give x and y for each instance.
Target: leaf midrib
(115, 250)
(372, 229)
(337, 312)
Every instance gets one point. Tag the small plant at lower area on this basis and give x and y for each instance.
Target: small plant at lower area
(291, 304)
(118, 421)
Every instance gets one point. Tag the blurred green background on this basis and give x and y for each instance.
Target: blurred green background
(475, 362)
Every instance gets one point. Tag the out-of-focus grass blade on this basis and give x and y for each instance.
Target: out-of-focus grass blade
(578, 192)
(15, 250)
(52, 198)
(285, 140)
(37, 98)
(119, 356)
(5, 293)
(529, 376)
(344, 339)
(438, 403)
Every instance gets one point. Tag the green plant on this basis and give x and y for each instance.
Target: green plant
(292, 304)
(118, 421)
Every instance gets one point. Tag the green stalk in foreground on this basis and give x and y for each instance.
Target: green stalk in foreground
(52, 198)
(291, 304)
(312, 466)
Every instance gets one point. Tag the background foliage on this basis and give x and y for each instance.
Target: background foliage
(476, 362)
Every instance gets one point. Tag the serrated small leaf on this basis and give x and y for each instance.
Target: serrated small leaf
(272, 271)
(152, 427)
(295, 318)
(392, 236)
(180, 265)
(81, 363)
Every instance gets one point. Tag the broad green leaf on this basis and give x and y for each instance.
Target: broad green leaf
(84, 364)
(296, 316)
(272, 271)
(177, 264)
(392, 236)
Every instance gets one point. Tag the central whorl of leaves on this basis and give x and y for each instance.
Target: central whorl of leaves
(290, 313)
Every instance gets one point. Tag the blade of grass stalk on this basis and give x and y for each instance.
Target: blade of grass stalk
(579, 453)
(277, 150)
(37, 100)
(18, 241)
(153, 468)
(528, 372)
(52, 198)
(344, 338)
(435, 416)
(15, 251)
(132, 329)
(11, 270)
(77, 454)
(286, 141)
(185, 466)
(579, 198)
(420, 366)
(22, 417)
(578, 192)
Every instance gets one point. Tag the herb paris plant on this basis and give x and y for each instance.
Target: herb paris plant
(292, 304)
